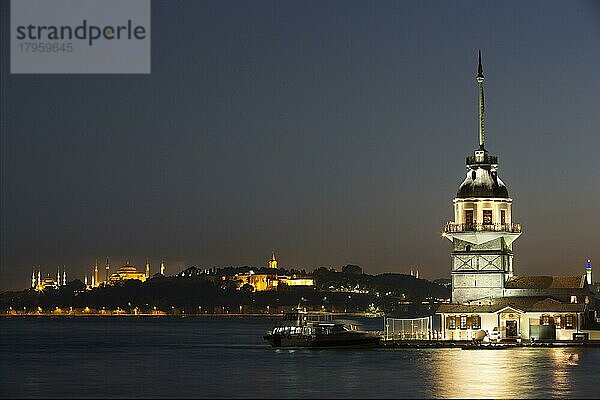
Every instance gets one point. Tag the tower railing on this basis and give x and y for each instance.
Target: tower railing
(486, 159)
(452, 227)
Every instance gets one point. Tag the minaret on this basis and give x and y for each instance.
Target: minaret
(39, 278)
(107, 270)
(273, 261)
(482, 232)
(162, 267)
(588, 272)
(33, 277)
(85, 281)
(147, 268)
(58, 276)
(64, 276)
(95, 280)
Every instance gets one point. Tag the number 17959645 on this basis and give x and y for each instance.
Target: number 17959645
(46, 47)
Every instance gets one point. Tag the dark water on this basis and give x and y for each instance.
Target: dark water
(226, 357)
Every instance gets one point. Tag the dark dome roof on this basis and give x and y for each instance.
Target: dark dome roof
(482, 182)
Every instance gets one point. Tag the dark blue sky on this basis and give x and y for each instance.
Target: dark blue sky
(331, 132)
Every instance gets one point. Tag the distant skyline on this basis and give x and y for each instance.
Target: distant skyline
(332, 133)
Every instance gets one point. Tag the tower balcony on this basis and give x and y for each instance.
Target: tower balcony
(483, 159)
(452, 227)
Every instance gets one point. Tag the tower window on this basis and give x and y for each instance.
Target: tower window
(468, 248)
(487, 217)
(473, 175)
(503, 217)
(463, 322)
(469, 219)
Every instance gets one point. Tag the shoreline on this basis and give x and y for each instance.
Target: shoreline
(164, 314)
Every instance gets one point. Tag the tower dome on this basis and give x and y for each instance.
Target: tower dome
(482, 179)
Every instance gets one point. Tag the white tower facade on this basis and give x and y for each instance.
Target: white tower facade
(482, 232)
(588, 272)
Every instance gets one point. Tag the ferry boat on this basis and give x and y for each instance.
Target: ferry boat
(300, 328)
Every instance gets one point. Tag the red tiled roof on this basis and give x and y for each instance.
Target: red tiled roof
(526, 304)
(545, 282)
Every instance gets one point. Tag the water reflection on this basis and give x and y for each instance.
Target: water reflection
(227, 358)
(506, 373)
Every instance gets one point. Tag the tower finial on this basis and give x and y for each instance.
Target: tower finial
(481, 103)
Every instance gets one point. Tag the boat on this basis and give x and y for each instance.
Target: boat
(300, 328)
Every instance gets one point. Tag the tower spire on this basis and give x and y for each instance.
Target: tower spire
(481, 103)
(273, 260)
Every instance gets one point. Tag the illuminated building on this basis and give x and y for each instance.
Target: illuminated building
(259, 282)
(125, 273)
(147, 268)
(486, 294)
(273, 261)
(162, 267)
(293, 281)
(266, 282)
(38, 283)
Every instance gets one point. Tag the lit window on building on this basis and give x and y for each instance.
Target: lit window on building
(569, 322)
(557, 321)
(451, 322)
(545, 320)
(469, 218)
(573, 299)
(487, 217)
(476, 322)
(463, 322)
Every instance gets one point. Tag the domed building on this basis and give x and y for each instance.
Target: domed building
(127, 272)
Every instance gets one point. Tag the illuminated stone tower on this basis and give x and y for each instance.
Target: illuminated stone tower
(162, 267)
(482, 232)
(147, 268)
(107, 270)
(273, 261)
(588, 272)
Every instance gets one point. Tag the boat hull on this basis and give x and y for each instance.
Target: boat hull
(326, 341)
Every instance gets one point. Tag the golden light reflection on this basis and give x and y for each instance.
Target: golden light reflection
(506, 373)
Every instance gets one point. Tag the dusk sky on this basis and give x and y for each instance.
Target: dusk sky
(331, 132)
